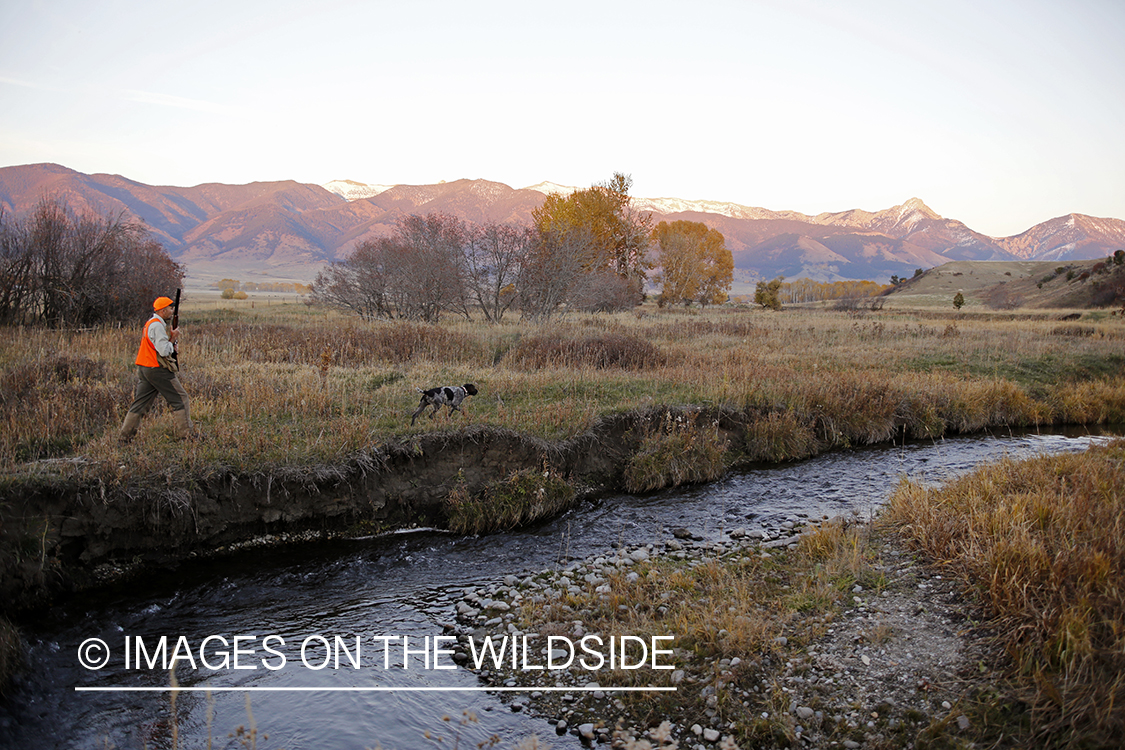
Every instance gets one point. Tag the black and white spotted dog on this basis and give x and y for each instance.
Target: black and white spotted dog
(452, 395)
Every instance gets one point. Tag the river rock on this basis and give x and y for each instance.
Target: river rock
(587, 731)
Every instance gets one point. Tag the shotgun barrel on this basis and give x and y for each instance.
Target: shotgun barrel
(175, 325)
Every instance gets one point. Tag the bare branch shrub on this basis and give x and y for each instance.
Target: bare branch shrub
(63, 269)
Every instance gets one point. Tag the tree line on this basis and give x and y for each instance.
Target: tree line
(807, 290)
(65, 269)
(589, 250)
(276, 287)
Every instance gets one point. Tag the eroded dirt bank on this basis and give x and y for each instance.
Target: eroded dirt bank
(61, 536)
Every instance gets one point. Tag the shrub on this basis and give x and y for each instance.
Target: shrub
(604, 351)
(676, 451)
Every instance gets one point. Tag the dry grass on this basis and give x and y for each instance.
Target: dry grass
(288, 385)
(737, 619)
(1042, 542)
(522, 497)
(599, 351)
(677, 448)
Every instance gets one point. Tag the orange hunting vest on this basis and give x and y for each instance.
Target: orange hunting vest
(146, 355)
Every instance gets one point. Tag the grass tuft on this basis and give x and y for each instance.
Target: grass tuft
(602, 351)
(676, 450)
(522, 497)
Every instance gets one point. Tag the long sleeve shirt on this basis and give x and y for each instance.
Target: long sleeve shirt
(158, 335)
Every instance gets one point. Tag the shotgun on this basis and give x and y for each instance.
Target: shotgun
(175, 325)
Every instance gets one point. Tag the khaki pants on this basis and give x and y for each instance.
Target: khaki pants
(158, 380)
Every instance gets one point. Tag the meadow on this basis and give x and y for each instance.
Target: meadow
(293, 385)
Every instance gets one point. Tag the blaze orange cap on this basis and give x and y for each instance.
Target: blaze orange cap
(160, 303)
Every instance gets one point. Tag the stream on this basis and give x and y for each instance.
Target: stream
(277, 620)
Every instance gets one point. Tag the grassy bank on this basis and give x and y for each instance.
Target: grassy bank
(1041, 545)
(985, 613)
(291, 386)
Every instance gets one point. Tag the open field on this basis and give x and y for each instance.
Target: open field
(291, 385)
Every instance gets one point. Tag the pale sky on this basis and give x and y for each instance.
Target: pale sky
(999, 114)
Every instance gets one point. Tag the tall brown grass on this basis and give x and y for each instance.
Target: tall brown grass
(286, 385)
(1042, 543)
(678, 447)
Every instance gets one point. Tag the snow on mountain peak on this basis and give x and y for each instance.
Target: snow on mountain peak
(552, 188)
(350, 190)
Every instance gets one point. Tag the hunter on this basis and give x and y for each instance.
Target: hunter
(156, 373)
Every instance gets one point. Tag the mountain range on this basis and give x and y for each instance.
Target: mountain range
(288, 230)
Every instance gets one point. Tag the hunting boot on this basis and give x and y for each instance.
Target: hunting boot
(181, 424)
(129, 427)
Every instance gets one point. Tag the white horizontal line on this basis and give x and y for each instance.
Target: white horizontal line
(373, 689)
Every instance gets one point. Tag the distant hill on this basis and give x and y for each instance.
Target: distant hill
(288, 230)
(1024, 284)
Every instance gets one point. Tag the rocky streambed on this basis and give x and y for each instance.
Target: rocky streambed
(877, 668)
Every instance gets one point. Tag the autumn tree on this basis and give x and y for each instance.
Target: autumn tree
(695, 263)
(808, 290)
(588, 236)
(766, 293)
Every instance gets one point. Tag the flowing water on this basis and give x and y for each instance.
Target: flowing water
(397, 585)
